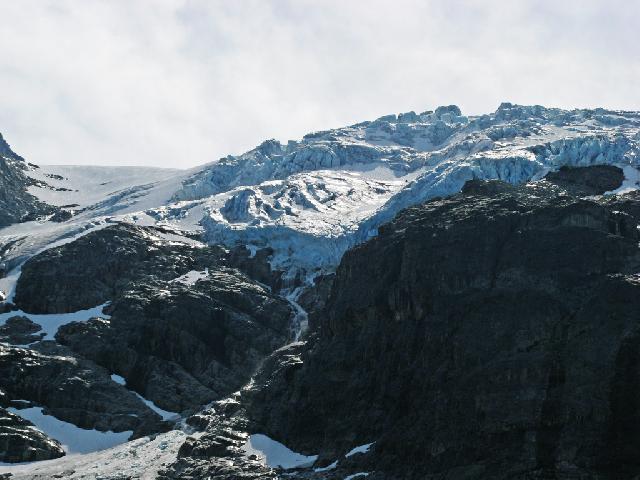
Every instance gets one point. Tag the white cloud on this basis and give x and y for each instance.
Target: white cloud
(178, 82)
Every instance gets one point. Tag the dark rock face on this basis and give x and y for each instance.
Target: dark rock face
(493, 334)
(594, 180)
(256, 267)
(183, 345)
(20, 441)
(314, 299)
(20, 331)
(103, 264)
(97, 267)
(73, 389)
(16, 204)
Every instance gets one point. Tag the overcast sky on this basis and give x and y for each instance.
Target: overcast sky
(177, 83)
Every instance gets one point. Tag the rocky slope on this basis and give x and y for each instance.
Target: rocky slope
(184, 327)
(487, 335)
(16, 203)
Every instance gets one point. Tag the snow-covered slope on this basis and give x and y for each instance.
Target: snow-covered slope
(310, 200)
(89, 198)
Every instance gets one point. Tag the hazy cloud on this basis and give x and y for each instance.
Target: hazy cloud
(179, 82)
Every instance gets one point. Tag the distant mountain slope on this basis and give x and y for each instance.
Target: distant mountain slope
(16, 203)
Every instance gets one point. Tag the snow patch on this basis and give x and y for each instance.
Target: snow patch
(166, 415)
(50, 323)
(361, 449)
(190, 278)
(275, 454)
(72, 438)
(118, 379)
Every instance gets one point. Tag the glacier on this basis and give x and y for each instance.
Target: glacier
(310, 200)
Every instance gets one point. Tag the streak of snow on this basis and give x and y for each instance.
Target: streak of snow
(300, 321)
(332, 466)
(166, 415)
(8, 283)
(361, 449)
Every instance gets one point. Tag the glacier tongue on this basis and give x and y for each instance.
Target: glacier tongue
(309, 219)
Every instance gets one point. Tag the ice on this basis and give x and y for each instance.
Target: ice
(361, 449)
(72, 438)
(312, 199)
(274, 454)
(51, 322)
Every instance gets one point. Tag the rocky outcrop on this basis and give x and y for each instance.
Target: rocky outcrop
(595, 180)
(491, 334)
(217, 454)
(313, 298)
(98, 266)
(185, 327)
(20, 330)
(101, 265)
(73, 389)
(183, 345)
(20, 441)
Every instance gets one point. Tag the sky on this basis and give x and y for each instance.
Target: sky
(177, 83)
